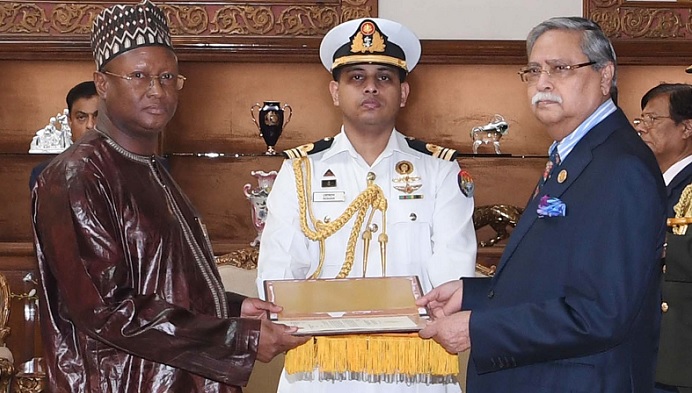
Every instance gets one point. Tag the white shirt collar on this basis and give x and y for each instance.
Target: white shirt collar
(397, 142)
(673, 171)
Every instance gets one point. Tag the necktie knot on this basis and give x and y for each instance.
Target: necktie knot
(554, 157)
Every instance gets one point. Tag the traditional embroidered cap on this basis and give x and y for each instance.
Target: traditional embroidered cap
(370, 40)
(120, 28)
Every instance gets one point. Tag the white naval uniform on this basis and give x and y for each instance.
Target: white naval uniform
(432, 237)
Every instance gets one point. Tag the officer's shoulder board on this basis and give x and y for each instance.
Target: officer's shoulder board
(433, 150)
(309, 148)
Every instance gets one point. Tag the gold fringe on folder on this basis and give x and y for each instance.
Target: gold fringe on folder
(373, 358)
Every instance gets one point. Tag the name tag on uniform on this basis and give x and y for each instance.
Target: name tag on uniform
(333, 196)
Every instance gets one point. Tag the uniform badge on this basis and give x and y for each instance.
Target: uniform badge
(368, 39)
(466, 183)
(406, 183)
(404, 168)
(328, 179)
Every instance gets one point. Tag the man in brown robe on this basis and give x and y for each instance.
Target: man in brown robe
(131, 300)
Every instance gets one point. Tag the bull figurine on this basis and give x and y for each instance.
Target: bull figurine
(491, 132)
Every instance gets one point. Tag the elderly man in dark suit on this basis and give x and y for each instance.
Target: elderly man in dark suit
(666, 126)
(575, 302)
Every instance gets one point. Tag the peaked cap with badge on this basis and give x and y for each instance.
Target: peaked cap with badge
(123, 27)
(370, 41)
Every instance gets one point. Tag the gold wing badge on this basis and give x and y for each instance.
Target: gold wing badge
(406, 183)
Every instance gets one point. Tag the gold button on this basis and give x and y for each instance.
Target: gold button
(664, 269)
(664, 307)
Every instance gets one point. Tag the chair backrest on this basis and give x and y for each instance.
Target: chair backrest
(6, 358)
(4, 309)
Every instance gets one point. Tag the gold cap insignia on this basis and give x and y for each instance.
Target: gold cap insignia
(368, 39)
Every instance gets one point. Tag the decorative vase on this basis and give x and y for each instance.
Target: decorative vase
(257, 197)
(270, 122)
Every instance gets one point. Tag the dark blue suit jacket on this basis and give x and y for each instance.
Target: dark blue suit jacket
(574, 304)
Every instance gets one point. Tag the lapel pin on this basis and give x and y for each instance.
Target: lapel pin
(562, 176)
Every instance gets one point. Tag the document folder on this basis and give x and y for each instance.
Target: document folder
(349, 305)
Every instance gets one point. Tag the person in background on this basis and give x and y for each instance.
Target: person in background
(130, 297)
(82, 106)
(574, 304)
(428, 199)
(665, 125)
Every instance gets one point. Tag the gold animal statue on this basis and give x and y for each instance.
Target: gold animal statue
(499, 217)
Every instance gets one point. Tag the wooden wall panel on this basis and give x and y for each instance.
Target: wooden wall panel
(214, 111)
(219, 197)
(15, 207)
(223, 122)
(445, 103)
(31, 92)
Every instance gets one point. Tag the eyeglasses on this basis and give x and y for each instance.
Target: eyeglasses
(531, 74)
(648, 120)
(143, 81)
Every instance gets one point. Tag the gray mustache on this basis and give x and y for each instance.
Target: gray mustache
(545, 96)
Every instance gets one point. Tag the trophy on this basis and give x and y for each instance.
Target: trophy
(270, 122)
(53, 138)
(489, 133)
(258, 200)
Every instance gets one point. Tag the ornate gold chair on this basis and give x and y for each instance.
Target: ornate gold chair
(6, 359)
(30, 377)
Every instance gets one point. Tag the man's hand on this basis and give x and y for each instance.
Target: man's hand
(275, 339)
(443, 300)
(452, 332)
(257, 308)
